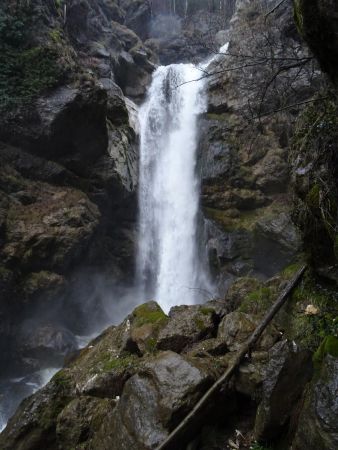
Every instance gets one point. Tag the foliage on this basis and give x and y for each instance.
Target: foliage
(329, 346)
(25, 70)
(118, 363)
(310, 330)
(257, 446)
(258, 301)
(314, 148)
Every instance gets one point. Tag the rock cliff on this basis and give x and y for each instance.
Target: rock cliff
(71, 74)
(68, 153)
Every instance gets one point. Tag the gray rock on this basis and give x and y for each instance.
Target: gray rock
(288, 371)
(236, 327)
(151, 402)
(317, 426)
(80, 419)
(135, 422)
(186, 325)
(47, 342)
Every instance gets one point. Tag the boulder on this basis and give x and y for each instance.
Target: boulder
(317, 425)
(186, 325)
(33, 425)
(80, 419)
(48, 343)
(152, 402)
(286, 375)
(236, 327)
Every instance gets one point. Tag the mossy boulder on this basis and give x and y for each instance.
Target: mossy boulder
(34, 424)
(239, 290)
(148, 320)
(81, 419)
(186, 325)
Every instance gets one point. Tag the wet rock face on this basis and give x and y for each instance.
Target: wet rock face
(313, 156)
(244, 145)
(317, 424)
(68, 158)
(288, 371)
(317, 22)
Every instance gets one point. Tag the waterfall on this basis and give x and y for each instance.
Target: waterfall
(170, 264)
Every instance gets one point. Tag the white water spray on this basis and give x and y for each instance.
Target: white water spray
(170, 266)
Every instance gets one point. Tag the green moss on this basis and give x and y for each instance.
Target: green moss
(24, 74)
(25, 71)
(309, 330)
(291, 270)
(258, 446)
(313, 197)
(62, 379)
(219, 117)
(199, 322)
(245, 221)
(59, 3)
(120, 363)
(206, 311)
(298, 17)
(329, 346)
(258, 301)
(151, 345)
(149, 313)
(56, 36)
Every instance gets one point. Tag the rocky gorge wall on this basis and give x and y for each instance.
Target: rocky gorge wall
(246, 139)
(69, 156)
(68, 177)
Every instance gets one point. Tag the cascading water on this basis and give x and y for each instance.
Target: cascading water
(170, 266)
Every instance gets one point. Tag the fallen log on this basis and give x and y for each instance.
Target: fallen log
(176, 437)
